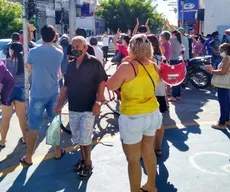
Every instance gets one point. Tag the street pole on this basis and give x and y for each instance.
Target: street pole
(72, 18)
(182, 13)
(25, 49)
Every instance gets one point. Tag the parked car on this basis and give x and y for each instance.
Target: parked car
(5, 42)
(111, 46)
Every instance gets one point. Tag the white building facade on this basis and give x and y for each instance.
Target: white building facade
(217, 15)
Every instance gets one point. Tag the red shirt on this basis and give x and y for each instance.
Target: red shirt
(123, 50)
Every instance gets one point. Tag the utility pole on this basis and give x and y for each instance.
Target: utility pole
(25, 50)
(182, 13)
(72, 18)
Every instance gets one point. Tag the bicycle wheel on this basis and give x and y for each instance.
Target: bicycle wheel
(65, 119)
(112, 101)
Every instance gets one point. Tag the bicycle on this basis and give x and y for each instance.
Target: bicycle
(111, 100)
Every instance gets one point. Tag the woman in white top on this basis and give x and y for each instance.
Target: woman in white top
(223, 93)
(160, 92)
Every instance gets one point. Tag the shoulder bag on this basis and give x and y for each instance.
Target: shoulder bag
(222, 81)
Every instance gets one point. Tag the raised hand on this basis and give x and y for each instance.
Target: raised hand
(118, 32)
(138, 23)
(147, 23)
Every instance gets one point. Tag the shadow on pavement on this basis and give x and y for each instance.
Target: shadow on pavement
(57, 175)
(110, 127)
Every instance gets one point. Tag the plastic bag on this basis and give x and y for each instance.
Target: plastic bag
(53, 134)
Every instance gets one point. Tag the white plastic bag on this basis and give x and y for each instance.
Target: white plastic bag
(53, 134)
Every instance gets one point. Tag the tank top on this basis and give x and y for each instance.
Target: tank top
(137, 95)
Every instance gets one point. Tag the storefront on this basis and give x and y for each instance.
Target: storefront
(189, 14)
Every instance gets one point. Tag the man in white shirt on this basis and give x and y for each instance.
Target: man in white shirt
(97, 50)
(105, 45)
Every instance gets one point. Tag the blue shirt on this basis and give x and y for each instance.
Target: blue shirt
(46, 61)
(207, 45)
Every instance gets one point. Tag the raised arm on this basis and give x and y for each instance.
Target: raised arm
(116, 38)
(136, 27)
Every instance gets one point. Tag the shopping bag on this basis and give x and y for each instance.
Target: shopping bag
(53, 134)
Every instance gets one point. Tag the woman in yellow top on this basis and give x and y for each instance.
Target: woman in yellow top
(140, 115)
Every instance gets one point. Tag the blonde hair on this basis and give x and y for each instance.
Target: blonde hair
(140, 47)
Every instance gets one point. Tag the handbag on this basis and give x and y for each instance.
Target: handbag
(53, 134)
(221, 81)
(117, 58)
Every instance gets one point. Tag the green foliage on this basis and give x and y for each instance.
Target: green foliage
(10, 18)
(123, 14)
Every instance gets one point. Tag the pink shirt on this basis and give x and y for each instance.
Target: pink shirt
(168, 48)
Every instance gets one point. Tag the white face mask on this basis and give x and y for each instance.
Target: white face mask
(223, 54)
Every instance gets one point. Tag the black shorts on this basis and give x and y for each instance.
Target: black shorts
(162, 103)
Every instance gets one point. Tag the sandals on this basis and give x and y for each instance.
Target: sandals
(2, 146)
(172, 100)
(149, 189)
(218, 126)
(86, 172)
(21, 141)
(158, 153)
(23, 162)
(78, 166)
(142, 190)
(61, 156)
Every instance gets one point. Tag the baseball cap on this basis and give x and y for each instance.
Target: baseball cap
(142, 29)
(181, 30)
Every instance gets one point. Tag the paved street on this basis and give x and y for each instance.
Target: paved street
(196, 157)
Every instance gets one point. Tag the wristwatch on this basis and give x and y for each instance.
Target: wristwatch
(99, 103)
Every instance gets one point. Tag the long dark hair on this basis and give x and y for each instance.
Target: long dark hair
(178, 35)
(155, 43)
(18, 57)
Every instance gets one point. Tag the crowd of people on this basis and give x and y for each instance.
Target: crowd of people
(77, 68)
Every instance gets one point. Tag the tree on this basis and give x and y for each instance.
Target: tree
(10, 18)
(123, 14)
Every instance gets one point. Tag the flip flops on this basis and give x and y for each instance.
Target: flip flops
(23, 162)
(21, 141)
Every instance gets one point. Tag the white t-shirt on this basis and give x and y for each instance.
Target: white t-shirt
(160, 89)
(98, 53)
(105, 41)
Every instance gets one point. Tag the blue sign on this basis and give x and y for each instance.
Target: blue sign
(190, 9)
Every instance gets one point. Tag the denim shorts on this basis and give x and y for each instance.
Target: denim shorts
(37, 107)
(18, 94)
(133, 128)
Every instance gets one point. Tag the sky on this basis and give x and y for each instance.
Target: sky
(168, 8)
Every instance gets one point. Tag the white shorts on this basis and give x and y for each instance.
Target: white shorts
(81, 125)
(133, 128)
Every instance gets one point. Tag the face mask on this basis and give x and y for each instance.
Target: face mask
(77, 53)
(223, 54)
